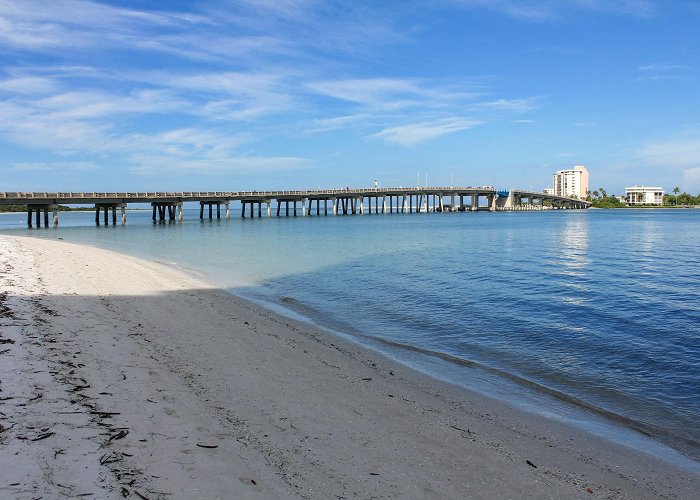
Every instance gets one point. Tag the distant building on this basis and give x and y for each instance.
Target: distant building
(572, 182)
(548, 190)
(644, 195)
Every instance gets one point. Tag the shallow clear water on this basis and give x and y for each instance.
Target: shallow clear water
(598, 308)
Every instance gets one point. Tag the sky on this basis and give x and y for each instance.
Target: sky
(136, 95)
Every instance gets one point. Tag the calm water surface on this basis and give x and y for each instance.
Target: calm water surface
(600, 309)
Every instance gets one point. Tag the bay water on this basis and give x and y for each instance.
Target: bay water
(588, 316)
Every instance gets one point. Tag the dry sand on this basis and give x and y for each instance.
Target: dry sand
(121, 377)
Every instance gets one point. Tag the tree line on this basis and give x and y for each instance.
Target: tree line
(600, 199)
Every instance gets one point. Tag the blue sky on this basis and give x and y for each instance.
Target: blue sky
(257, 94)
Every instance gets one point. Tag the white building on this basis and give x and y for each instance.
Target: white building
(572, 182)
(644, 195)
(548, 190)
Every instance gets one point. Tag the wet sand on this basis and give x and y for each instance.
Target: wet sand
(121, 377)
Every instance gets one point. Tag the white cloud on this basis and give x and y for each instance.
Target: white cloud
(378, 93)
(235, 95)
(159, 165)
(28, 85)
(691, 179)
(664, 71)
(58, 166)
(339, 122)
(674, 153)
(680, 155)
(415, 133)
(515, 105)
(541, 10)
(411, 111)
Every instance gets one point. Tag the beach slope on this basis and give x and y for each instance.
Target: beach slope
(121, 377)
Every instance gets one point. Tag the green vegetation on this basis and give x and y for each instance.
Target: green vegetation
(681, 199)
(600, 199)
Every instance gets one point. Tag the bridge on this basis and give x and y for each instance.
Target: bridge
(169, 205)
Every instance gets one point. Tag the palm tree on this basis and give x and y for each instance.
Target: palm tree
(595, 194)
(676, 190)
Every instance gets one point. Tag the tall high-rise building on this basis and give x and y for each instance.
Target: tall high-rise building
(572, 182)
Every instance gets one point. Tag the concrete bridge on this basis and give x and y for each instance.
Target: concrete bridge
(168, 205)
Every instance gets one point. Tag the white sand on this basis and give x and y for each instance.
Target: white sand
(128, 378)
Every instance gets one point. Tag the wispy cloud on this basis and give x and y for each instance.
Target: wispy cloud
(684, 152)
(373, 93)
(664, 71)
(415, 133)
(28, 85)
(681, 155)
(156, 166)
(522, 105)
(58, 166)
(542, 10)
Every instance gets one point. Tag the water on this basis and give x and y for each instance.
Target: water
(595, 310)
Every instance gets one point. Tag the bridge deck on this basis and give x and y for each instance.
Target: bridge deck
(72, 198)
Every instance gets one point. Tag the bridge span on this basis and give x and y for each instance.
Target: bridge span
(169, 205)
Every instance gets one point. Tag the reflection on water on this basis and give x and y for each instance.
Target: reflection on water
(573, 246)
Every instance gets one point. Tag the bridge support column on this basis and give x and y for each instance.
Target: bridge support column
(335, 206)
(303, 207)
(361, 201)
(55, 216)
(228, 210)
(269, 209)
(426, 206)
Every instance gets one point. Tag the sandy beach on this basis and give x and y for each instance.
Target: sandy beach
(126, 378)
